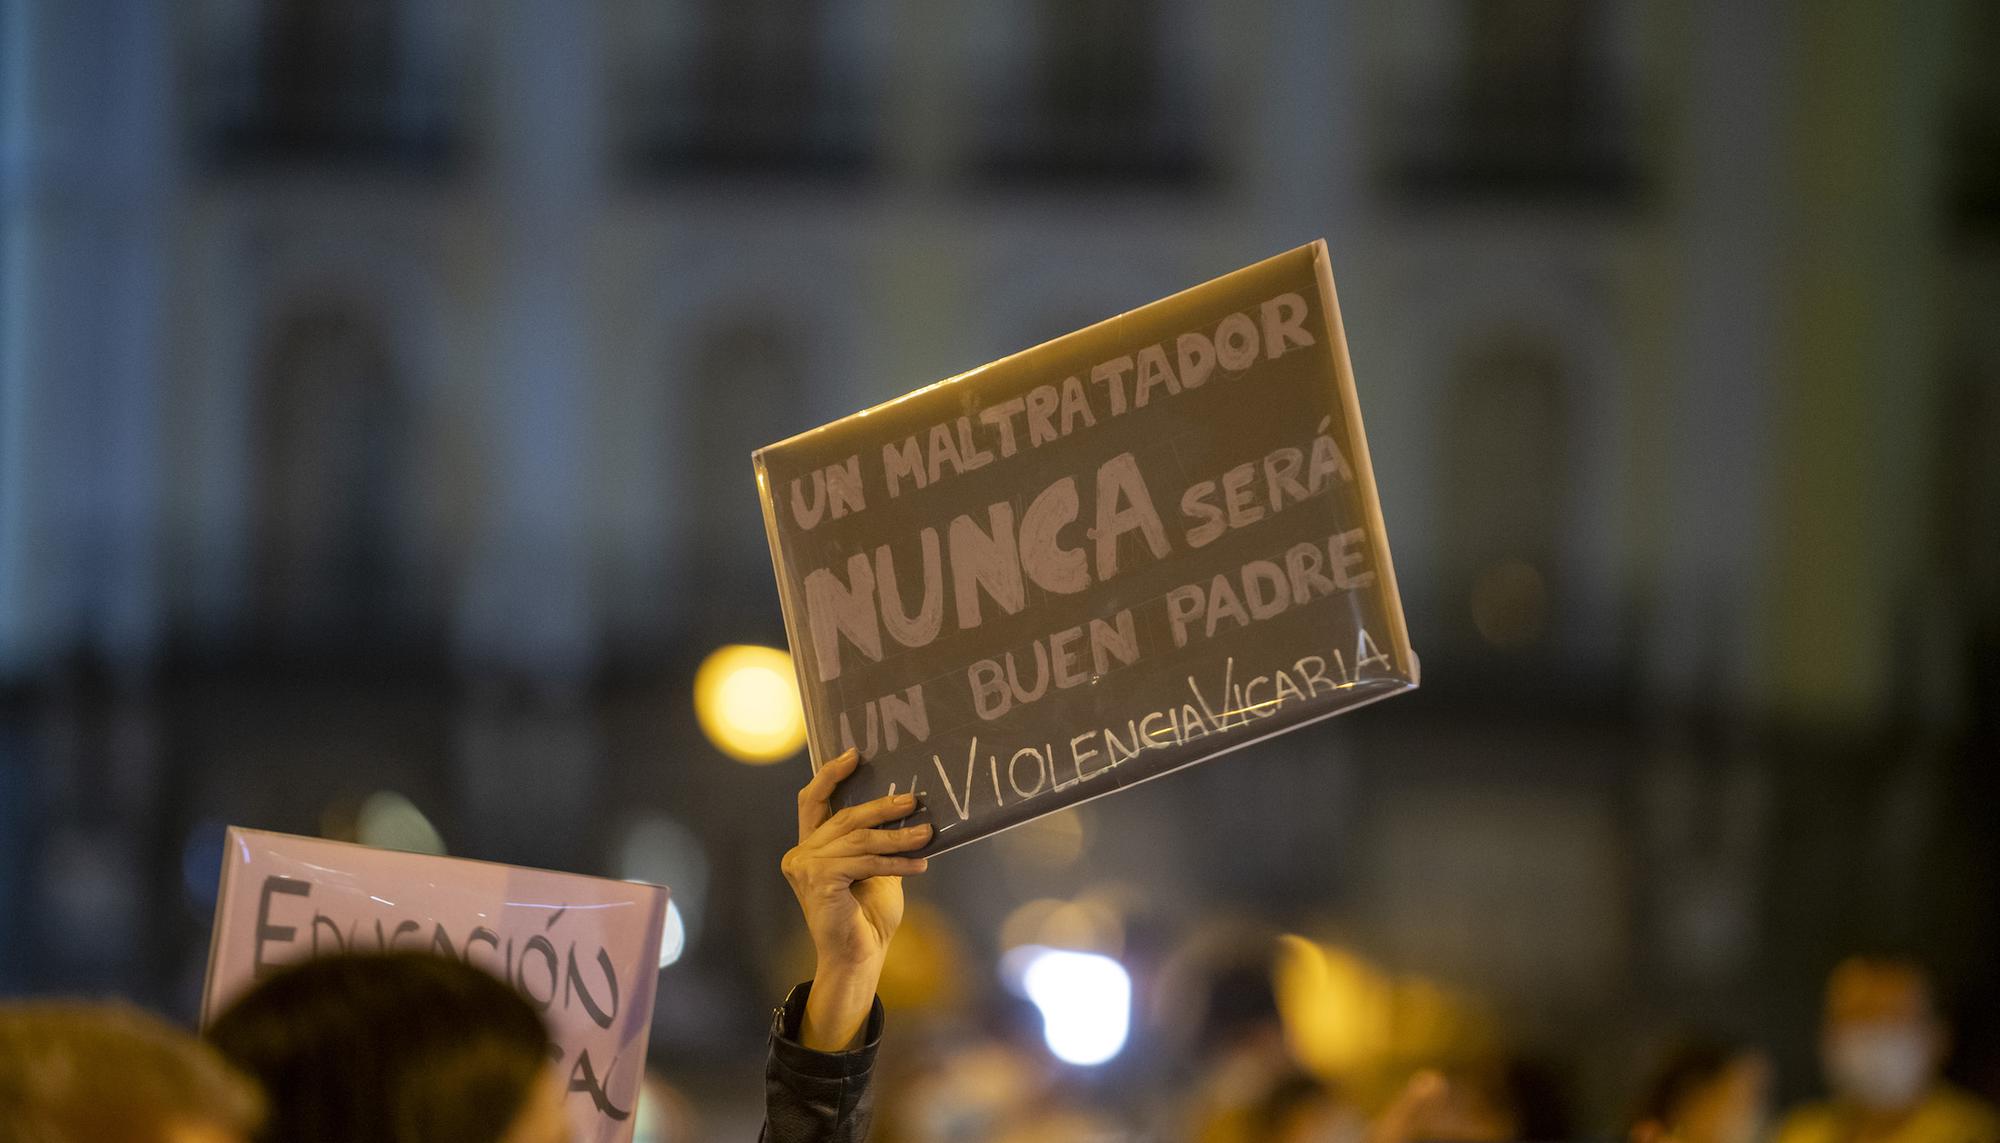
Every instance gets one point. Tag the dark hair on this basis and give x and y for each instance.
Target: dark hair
(1691, 1065)
(1240, 997)
(386, 1048)
(1881, 959)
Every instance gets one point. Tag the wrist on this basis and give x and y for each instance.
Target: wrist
(849, 968)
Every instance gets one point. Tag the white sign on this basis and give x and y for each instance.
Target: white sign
(584, 950)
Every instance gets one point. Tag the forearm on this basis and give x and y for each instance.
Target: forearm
(837, 1010)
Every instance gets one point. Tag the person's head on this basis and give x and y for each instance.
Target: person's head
(1301, 1109)
(1706, 1091)
(1241, 1007)
(1881, 1041)
(80, 1072)
(395, 1048)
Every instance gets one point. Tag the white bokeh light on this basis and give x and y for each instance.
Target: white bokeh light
(1085, 1000)
(673, 935)
(661, 851)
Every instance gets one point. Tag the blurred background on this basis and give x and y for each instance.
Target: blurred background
(378, 381)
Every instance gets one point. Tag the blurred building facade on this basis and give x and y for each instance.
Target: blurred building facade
(378, 379)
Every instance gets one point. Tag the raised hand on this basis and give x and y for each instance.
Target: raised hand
(848, 879)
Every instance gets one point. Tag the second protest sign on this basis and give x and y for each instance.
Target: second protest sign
(583, 951)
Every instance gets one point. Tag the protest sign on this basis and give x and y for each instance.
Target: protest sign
(1096, 561)
(583, 950)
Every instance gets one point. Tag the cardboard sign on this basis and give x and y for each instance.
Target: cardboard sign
(585, 951)
(1093, 562)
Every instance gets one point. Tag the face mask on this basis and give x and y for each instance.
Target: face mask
(1880, 1066)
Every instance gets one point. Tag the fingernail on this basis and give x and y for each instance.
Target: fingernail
(923, 863)
(924, 828)
(906, 799)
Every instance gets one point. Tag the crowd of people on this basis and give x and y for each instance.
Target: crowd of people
(415, 1048)
(1883, 1046)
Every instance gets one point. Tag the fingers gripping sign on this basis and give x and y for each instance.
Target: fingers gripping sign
(846, 872)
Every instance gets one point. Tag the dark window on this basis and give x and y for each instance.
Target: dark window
(1966, 479)
(1506, 474)
(351, 80)
(752, 86)
(1098, 96)
(748, 389)
(330, 489)
(1975, 137)
(1534, 108)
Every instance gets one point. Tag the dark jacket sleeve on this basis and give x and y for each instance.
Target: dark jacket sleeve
(815, 1097)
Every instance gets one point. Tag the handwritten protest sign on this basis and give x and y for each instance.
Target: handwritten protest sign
(1093, 562)
(583, 950)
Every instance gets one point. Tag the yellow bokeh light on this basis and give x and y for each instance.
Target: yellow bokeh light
(926, 966)
(747, 701)
(1350, 1022)
(1338, 1009)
